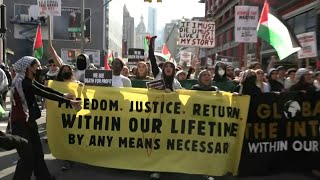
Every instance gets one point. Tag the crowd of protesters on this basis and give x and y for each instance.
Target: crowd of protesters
(29, 85)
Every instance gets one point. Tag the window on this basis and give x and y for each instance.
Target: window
(235, 50)
(231, 34)
(290, 23)
(232, 11)
(311, 20)
(299, 24)
(217, 40)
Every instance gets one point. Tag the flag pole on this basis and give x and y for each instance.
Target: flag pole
(49, 29)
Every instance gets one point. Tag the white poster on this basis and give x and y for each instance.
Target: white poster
(49, 7)
(196, 34)
(186, 57)
(308, 42)
(246, 22)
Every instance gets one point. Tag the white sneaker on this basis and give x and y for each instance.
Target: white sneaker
(154, 175)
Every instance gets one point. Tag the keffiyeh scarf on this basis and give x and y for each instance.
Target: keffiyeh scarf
(20, 68)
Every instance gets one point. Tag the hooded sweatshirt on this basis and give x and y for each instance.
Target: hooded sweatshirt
(275, 85)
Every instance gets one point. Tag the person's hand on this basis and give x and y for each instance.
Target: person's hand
(195, 63)
(236, 94)
(69, 96)
(76, 104)
(167, 90)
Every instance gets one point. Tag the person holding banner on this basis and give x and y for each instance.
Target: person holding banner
(221, 80)
(142, 72)
(260, 81)
(204, 82)
(274, 84)
(119, 80)
(167, 72)
(25, 112)
(316, 82)
(247, 84)
(304, 81)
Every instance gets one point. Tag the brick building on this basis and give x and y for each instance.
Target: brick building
(301, 16)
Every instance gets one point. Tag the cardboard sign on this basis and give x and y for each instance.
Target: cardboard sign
(98, 78)
(197, 34)
(308, 42)
(186, 57)
(246, 21)
(225, 60)
(49, 7)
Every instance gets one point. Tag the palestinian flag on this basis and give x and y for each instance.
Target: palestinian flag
(110, 57)
(38, 46)
(168, 55)
(146, 44)
(166, 52)
(272, 30)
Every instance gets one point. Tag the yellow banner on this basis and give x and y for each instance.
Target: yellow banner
(187, 131)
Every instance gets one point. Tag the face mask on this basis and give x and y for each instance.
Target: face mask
(66, 75)
(221, 72)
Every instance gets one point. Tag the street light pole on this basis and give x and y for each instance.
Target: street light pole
(82, 26)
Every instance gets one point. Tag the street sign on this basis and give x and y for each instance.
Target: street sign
(2, 35)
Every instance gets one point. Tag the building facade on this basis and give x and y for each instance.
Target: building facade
(152, 21)
(301, 16)
(141, 33)
(128, 32)
(115, 27)
(171, 37)
(65, 30)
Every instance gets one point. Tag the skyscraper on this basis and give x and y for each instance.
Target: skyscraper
(152, 21)
(128, 32)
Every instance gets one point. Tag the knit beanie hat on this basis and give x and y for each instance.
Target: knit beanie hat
(300, 73)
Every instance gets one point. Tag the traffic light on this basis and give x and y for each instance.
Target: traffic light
(72, 54)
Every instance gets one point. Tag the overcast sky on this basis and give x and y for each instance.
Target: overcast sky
(167, 10)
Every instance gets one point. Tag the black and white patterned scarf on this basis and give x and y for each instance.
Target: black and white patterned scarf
(20, 68)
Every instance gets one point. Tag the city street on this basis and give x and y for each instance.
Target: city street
(82, 172)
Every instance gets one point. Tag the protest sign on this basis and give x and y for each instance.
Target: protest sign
(98, 77)
(246, 22)
(308, 42)
(145, 129)
(185, 57)
(157, 84)
(134, 56)
(196, 34)
(227, 60)
(49, 7)
(282, 134)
